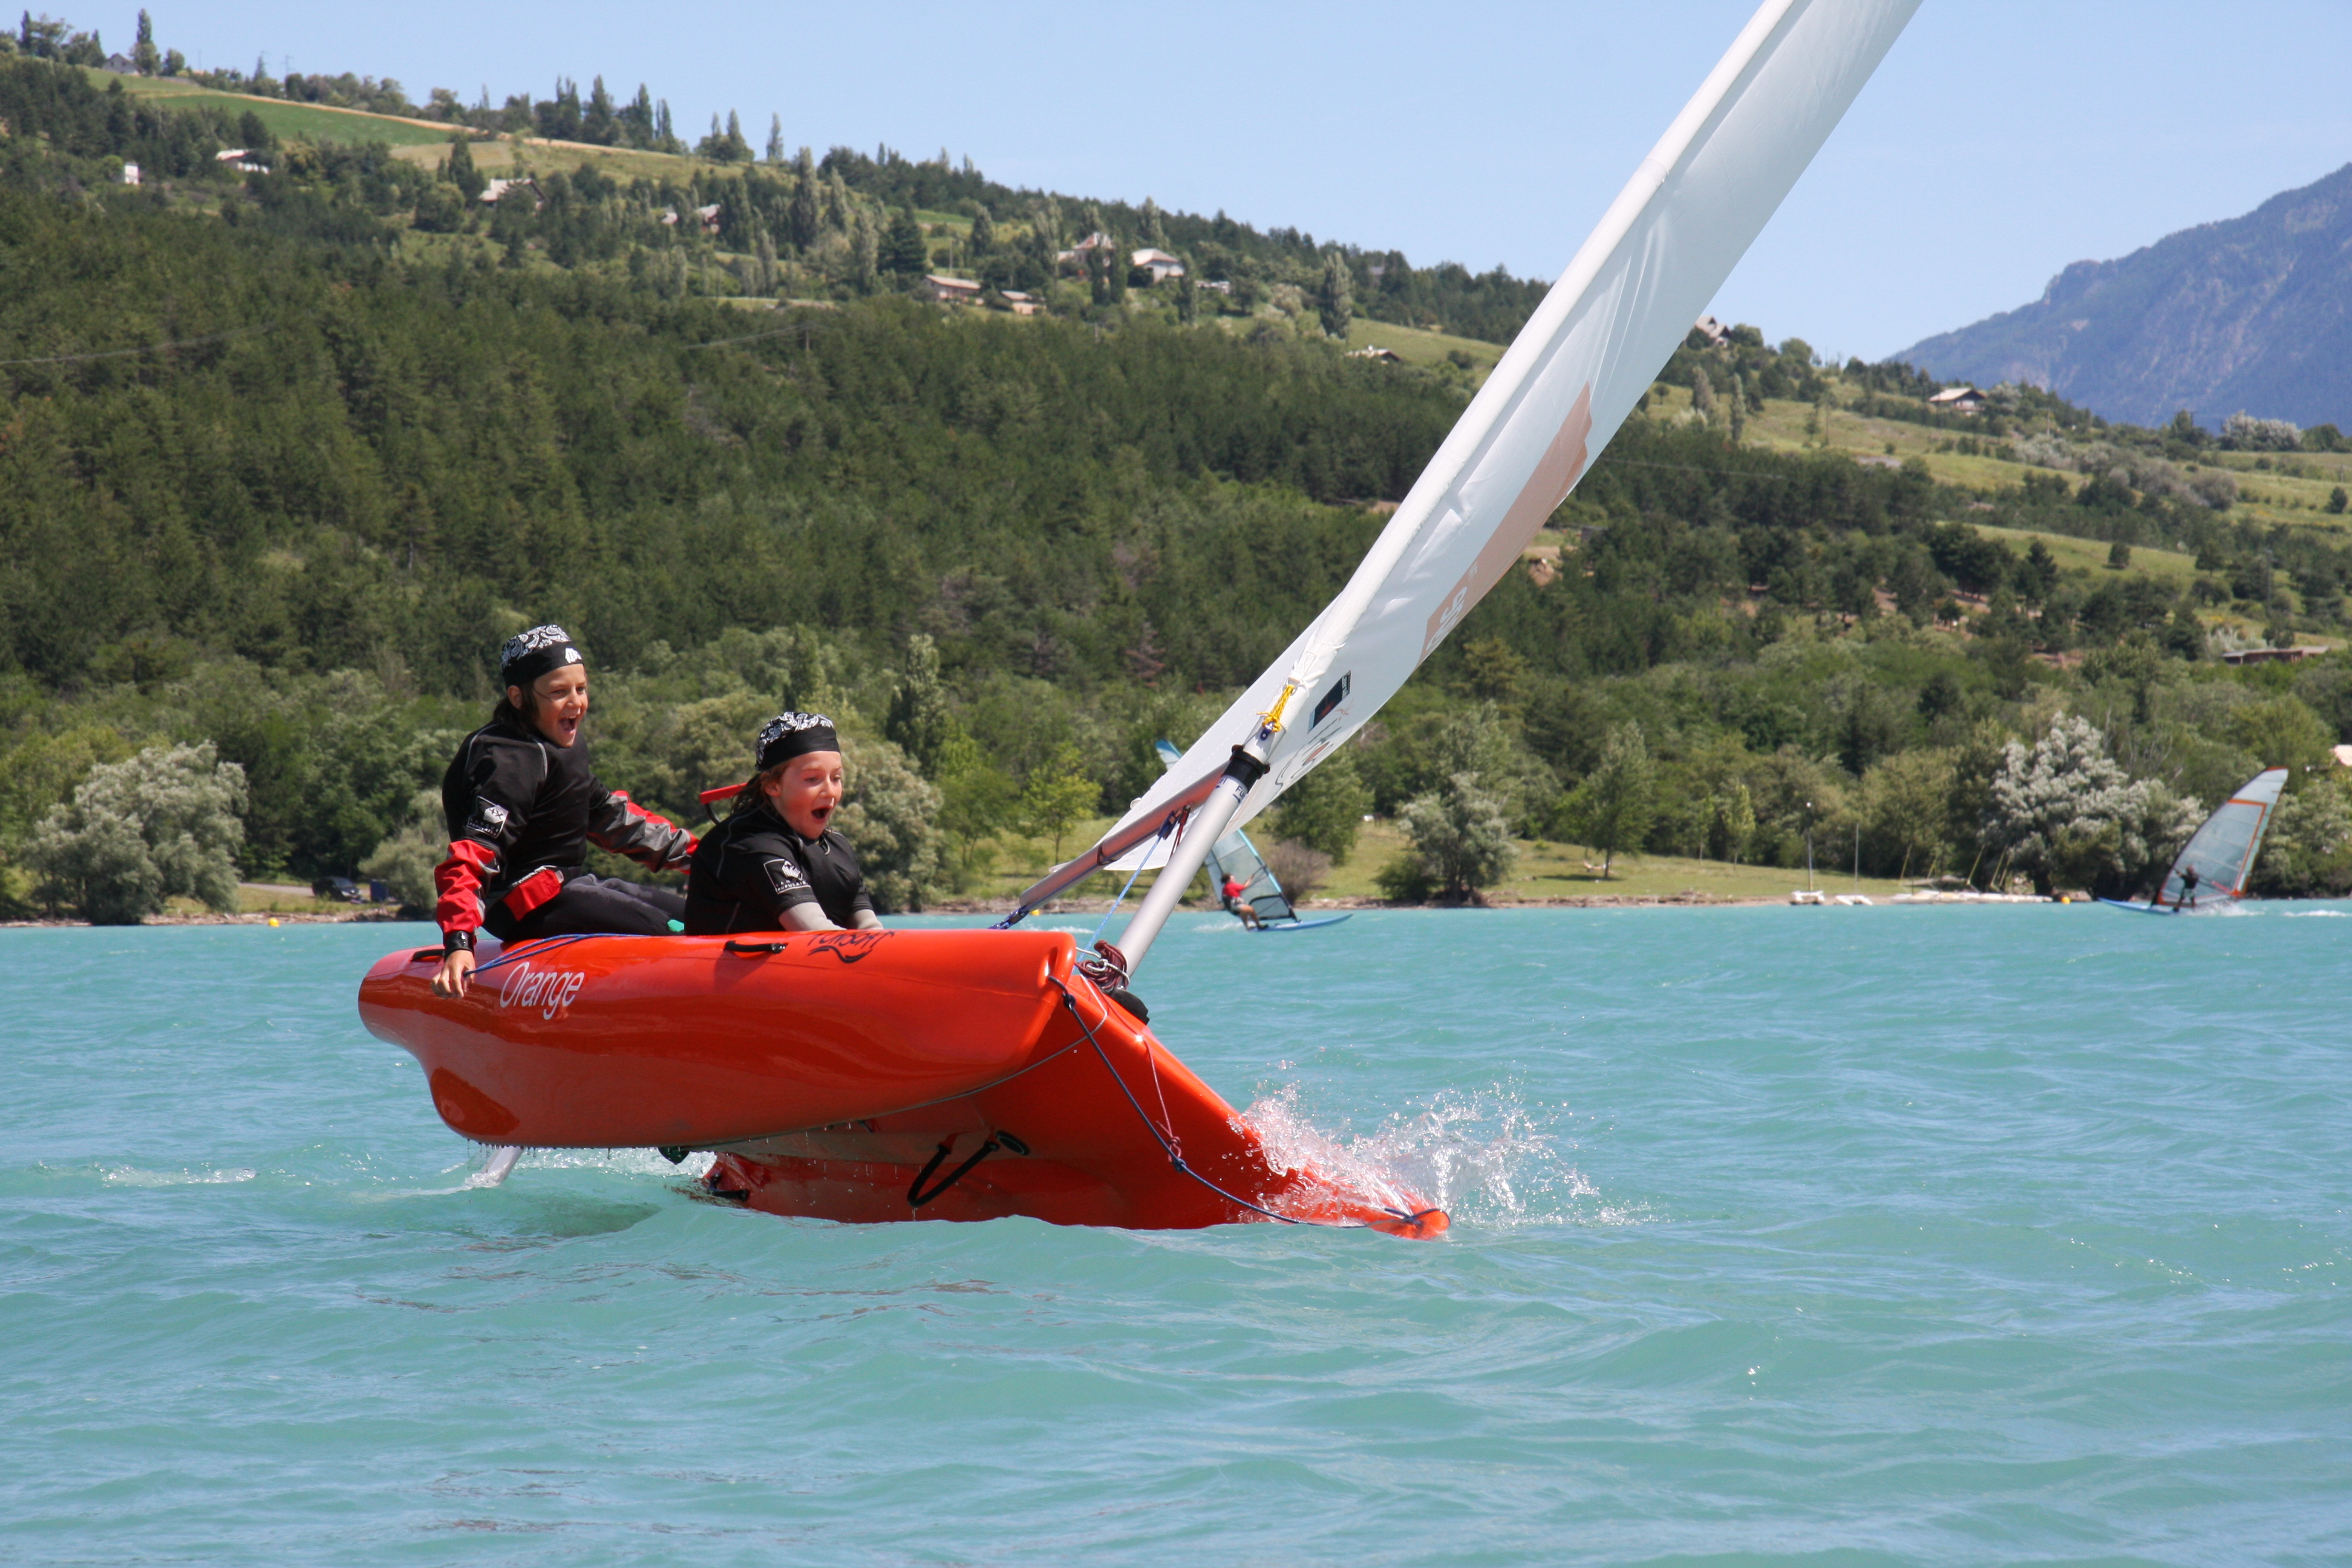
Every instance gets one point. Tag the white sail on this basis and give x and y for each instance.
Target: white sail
(1591, 348)
(2222, 853)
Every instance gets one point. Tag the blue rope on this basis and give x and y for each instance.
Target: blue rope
(1132, 876)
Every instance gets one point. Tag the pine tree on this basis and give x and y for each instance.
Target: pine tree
(768, 272)
(983, 239)
(805, 214)
(1738, 408)
(1335, 301)
(775, 138)
(142, 53)
(919, 720)
(1702, 395)
(598, 123)
(902, 246)
(460, 168)
(864, 246)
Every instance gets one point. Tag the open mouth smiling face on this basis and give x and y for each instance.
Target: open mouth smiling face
(562, 699)
(809, 794)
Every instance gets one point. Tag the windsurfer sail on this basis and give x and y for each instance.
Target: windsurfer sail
(2214, 867)
(1236, 869)
(1569, 379)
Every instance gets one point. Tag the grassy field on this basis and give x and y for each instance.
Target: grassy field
(287, 121)
(1544, 871)
(1414, 346)
(2267, 495)
(2089, 556)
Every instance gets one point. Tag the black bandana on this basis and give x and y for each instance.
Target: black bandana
(790, 735)
(530, 655)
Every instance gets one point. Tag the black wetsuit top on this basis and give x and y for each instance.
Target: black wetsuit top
(522, 812)
(753, 866)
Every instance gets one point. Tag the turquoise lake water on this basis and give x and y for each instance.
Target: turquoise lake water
(1948, 1236)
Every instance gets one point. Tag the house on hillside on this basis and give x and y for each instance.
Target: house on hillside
(245, 160)
(1219, 286)
(495, 191)
(951, 290)
(1159, 263)
(1958, 400)
(1377, 354)
(1020, 304)
(1714, 332)
(1077, 254)
(707, 217)
(130, 173)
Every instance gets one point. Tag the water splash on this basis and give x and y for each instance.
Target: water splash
(1484, 1158)
(133, 1176)
(621, 1162)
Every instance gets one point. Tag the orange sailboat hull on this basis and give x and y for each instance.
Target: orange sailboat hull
(855, 1076)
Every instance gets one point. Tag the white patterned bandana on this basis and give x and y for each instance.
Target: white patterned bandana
(790, 735)
(531, 654)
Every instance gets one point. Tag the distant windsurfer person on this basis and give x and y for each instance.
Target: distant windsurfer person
(2188, 887)
(1233, 890)
(523, 806)
(778, 863)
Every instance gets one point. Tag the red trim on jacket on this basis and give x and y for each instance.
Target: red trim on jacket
(458, 881)
(659, 820)
(533, 891)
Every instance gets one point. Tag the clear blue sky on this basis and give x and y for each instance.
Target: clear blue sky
(2001, 139)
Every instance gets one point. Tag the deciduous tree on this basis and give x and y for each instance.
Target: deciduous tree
(161, 825)
(1057, 798)
(1611, 808)
(2065, 809)
(892, 815)
(1324, 810)
(1461, 838)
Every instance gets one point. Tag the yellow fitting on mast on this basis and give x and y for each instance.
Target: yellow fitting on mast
(1274, 720)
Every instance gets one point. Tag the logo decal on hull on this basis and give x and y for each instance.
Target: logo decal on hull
(849, 946)
(549, 990)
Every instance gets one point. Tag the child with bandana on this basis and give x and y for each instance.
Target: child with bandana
(523, 806)
(777, 863)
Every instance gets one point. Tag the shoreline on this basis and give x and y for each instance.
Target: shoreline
(364, 916)
(1689, 899)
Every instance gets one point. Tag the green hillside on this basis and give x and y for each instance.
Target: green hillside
(285, 455)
